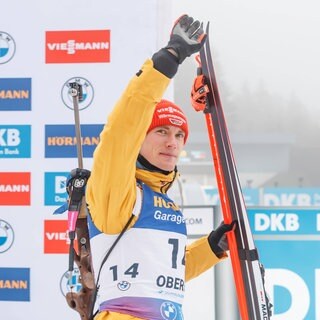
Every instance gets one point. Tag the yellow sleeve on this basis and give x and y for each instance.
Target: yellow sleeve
(111, 189)
(199, 258)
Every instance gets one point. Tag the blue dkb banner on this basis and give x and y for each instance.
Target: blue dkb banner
(289, 246)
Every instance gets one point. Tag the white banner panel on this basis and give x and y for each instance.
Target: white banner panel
(44, 46)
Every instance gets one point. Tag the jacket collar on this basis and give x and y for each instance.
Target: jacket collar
(157, 181)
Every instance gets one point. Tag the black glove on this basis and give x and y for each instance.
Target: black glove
(218, 240)
(187, 37)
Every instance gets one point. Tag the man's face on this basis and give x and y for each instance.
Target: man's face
(162, 147)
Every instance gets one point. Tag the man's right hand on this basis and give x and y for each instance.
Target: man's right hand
(187, 37)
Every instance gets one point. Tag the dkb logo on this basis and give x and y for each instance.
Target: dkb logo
(15, 141)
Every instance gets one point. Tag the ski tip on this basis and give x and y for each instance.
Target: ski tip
(207, 27)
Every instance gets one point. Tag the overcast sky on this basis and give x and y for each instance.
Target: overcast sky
(276, 42)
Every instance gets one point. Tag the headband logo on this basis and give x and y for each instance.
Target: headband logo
(176, 122)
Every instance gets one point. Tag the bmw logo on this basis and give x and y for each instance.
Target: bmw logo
(70, 282)
(168, 311)
(7, 47)
(6, 236)
(124, 285)
(87, 93)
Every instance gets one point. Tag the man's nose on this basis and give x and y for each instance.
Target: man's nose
(171, 140)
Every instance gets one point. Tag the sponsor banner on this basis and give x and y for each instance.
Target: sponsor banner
(60, 140)
(55, 188)
(199, 220)
(7, 47)
(15, 94)
(292, 277)
(14, 284)
(15, 141)
(291, 197)
(288, 240)
(78, 46)
(250, 196)
(284, 221)
(6, 236)
(70, 283)
(15, 188)
(87, 93)
(56, 239)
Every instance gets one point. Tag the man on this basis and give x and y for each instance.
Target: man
(134, 166)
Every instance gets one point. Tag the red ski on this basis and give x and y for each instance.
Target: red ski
(248, 271)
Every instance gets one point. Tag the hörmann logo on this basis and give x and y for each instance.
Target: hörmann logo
(15, 188)
(14, 284)
(162, 203)
(78, 46)
(15, 94)
(61, 140)
(7, 47)
(15, 141)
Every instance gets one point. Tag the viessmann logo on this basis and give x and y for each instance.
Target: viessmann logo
(78, 46)
(56, 239)
(15, 188)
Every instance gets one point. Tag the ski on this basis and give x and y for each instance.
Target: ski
(247, 270)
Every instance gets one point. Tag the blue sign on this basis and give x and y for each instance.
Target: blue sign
(60, 140)
(55, 188)
(250, 196)
(291, 197)
(14, 284)
(288, 241)
(15, 141)
(15, 94)
(284, 221)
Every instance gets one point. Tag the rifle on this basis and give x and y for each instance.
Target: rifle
(80, 301)
(84, 300)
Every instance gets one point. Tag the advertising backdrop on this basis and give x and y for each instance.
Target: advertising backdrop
(288, 243)
(43, 47)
